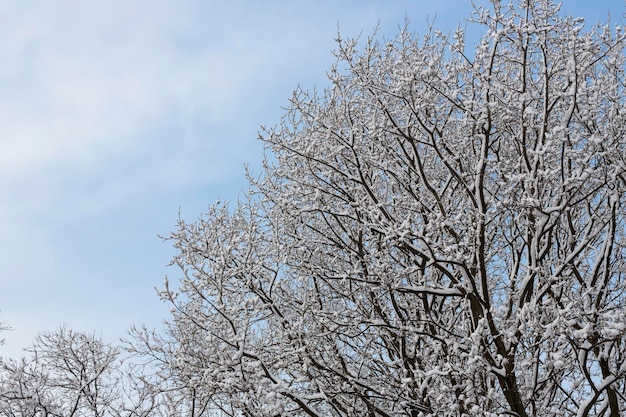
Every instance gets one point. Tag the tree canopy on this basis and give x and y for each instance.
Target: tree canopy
(440, 231)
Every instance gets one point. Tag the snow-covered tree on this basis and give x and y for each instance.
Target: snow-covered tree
(68, 373)
(440, 232)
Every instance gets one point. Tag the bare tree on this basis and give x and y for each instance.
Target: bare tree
(440, 232)
(69, 373)
(23, 391)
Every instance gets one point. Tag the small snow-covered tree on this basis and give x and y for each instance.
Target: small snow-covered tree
(68, 373)
(440, 232)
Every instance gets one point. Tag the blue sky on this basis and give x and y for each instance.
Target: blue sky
(115, 115)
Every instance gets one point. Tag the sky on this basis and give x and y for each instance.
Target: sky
(118, 116)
